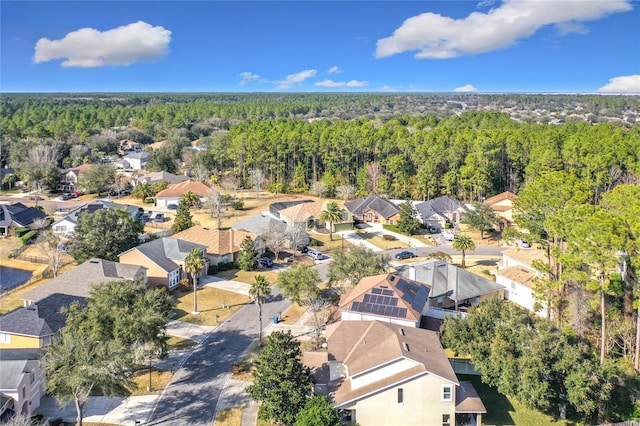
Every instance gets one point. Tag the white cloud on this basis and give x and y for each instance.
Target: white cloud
(88, 47)
(387, 89)
(622, 84)
(247, 77)
(334, 70)
(296, 78)
(331, 83)
(439, 37)
(466, 88)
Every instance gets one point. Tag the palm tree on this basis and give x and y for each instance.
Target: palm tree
(193, 264)
(142, 191)
(10, 179)
(258, 291)
(463, 243)
(191, 199)
(332, 214)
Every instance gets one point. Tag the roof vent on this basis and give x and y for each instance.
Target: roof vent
(206, 229)
(94, 261)
(406, 346)
(392, 277)
(402, 331)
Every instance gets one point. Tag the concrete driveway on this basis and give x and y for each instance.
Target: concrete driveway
(229, 285)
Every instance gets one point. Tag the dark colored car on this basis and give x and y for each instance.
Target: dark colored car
(432, 230)
(66, 196)
(302, 249)
(172, 206)
(264, 261)
(405, 255)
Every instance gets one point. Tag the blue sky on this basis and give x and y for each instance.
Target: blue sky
(515, 46)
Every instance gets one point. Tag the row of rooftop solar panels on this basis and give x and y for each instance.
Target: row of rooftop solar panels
(380, 300)
(379, 309)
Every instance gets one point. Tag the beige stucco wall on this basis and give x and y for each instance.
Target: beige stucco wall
(156, 276)
(422, 404)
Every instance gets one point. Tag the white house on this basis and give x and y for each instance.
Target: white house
(518, 277)
(136, 161)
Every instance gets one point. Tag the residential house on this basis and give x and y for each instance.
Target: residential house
(135, 161)
(21, 382)
(386, 297)
(518, 276)
(264, 225)
(223, 245)
(36, 325)
(164, 259)
(386, 374)
(276, 208)
(155, 177)
(70, 178)
(126, 146)
(172, 194)
(374, 210)
(451, 286)
(66, 225)
(18, 215)
(80, 280)
(307, 215)
(440, 210)
(502, 206)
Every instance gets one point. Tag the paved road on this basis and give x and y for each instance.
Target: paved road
(479, 251)
(192, 396)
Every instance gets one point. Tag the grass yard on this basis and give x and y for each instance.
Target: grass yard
(292, 314)
(175, 342)
(229, 417)
(209, 305)
(159, 380)
(248, 277)
(503, 411)
(380, 242)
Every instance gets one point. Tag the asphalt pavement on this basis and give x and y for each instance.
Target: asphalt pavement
(192, 396)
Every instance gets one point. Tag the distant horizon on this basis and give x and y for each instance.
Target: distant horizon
(323, 93)
(351, 46)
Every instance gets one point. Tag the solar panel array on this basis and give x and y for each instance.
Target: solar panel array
(380, 303)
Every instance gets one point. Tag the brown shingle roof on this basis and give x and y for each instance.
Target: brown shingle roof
(525, 256)
(218, 242)
(507, 195)
(407, 292)
(179, 189)
(467, 399)
(519, 274)
(365, 345)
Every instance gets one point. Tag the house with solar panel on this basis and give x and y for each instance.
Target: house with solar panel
(380, 373)
(386, 297)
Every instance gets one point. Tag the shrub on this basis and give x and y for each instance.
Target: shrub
(240, 367)
(389, 237)
(21, 231)
(237, 204)
(314, 243)
(26, 238)
(212, 269)
(225, 266)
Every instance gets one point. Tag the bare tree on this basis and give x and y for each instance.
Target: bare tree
(120, 183)
(275, 239)
(45, 154)
(374, 171)
(319, 315)
(318, 188)
(229, 184)
(346, 192)
(49, 244)
(256, 178)
(215, 204)
(200, 173)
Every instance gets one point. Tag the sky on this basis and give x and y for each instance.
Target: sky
(485, 46)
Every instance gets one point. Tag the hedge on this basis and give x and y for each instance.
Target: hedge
(28, 237)
(21, 231)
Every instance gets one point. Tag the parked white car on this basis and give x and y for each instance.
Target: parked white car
(448, 234)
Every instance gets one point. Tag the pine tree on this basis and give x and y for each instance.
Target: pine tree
(183, 219)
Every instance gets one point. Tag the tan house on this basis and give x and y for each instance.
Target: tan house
(387, 374)
(164, 259)
(386, 297)
(518, 276)
(222, 245)
(307, 216)
(172, 194)
(502, 206)
(374, 209)
(69, 178)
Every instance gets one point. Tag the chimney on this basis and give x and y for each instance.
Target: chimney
(412, 272)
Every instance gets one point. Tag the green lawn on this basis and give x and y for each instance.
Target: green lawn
(504, 411)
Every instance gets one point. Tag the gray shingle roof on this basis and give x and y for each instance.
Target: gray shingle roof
(439, 205)
(97, 205)
(383, 207)
(164, 251)
(79, 280)
(11, 372)
(262, 224)
(449, 280)
(40, 319)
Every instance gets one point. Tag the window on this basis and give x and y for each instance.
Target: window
(447, 393)
(46, 340)
(391, 222)
(5, 338)
(446, 420)
(400, 396)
